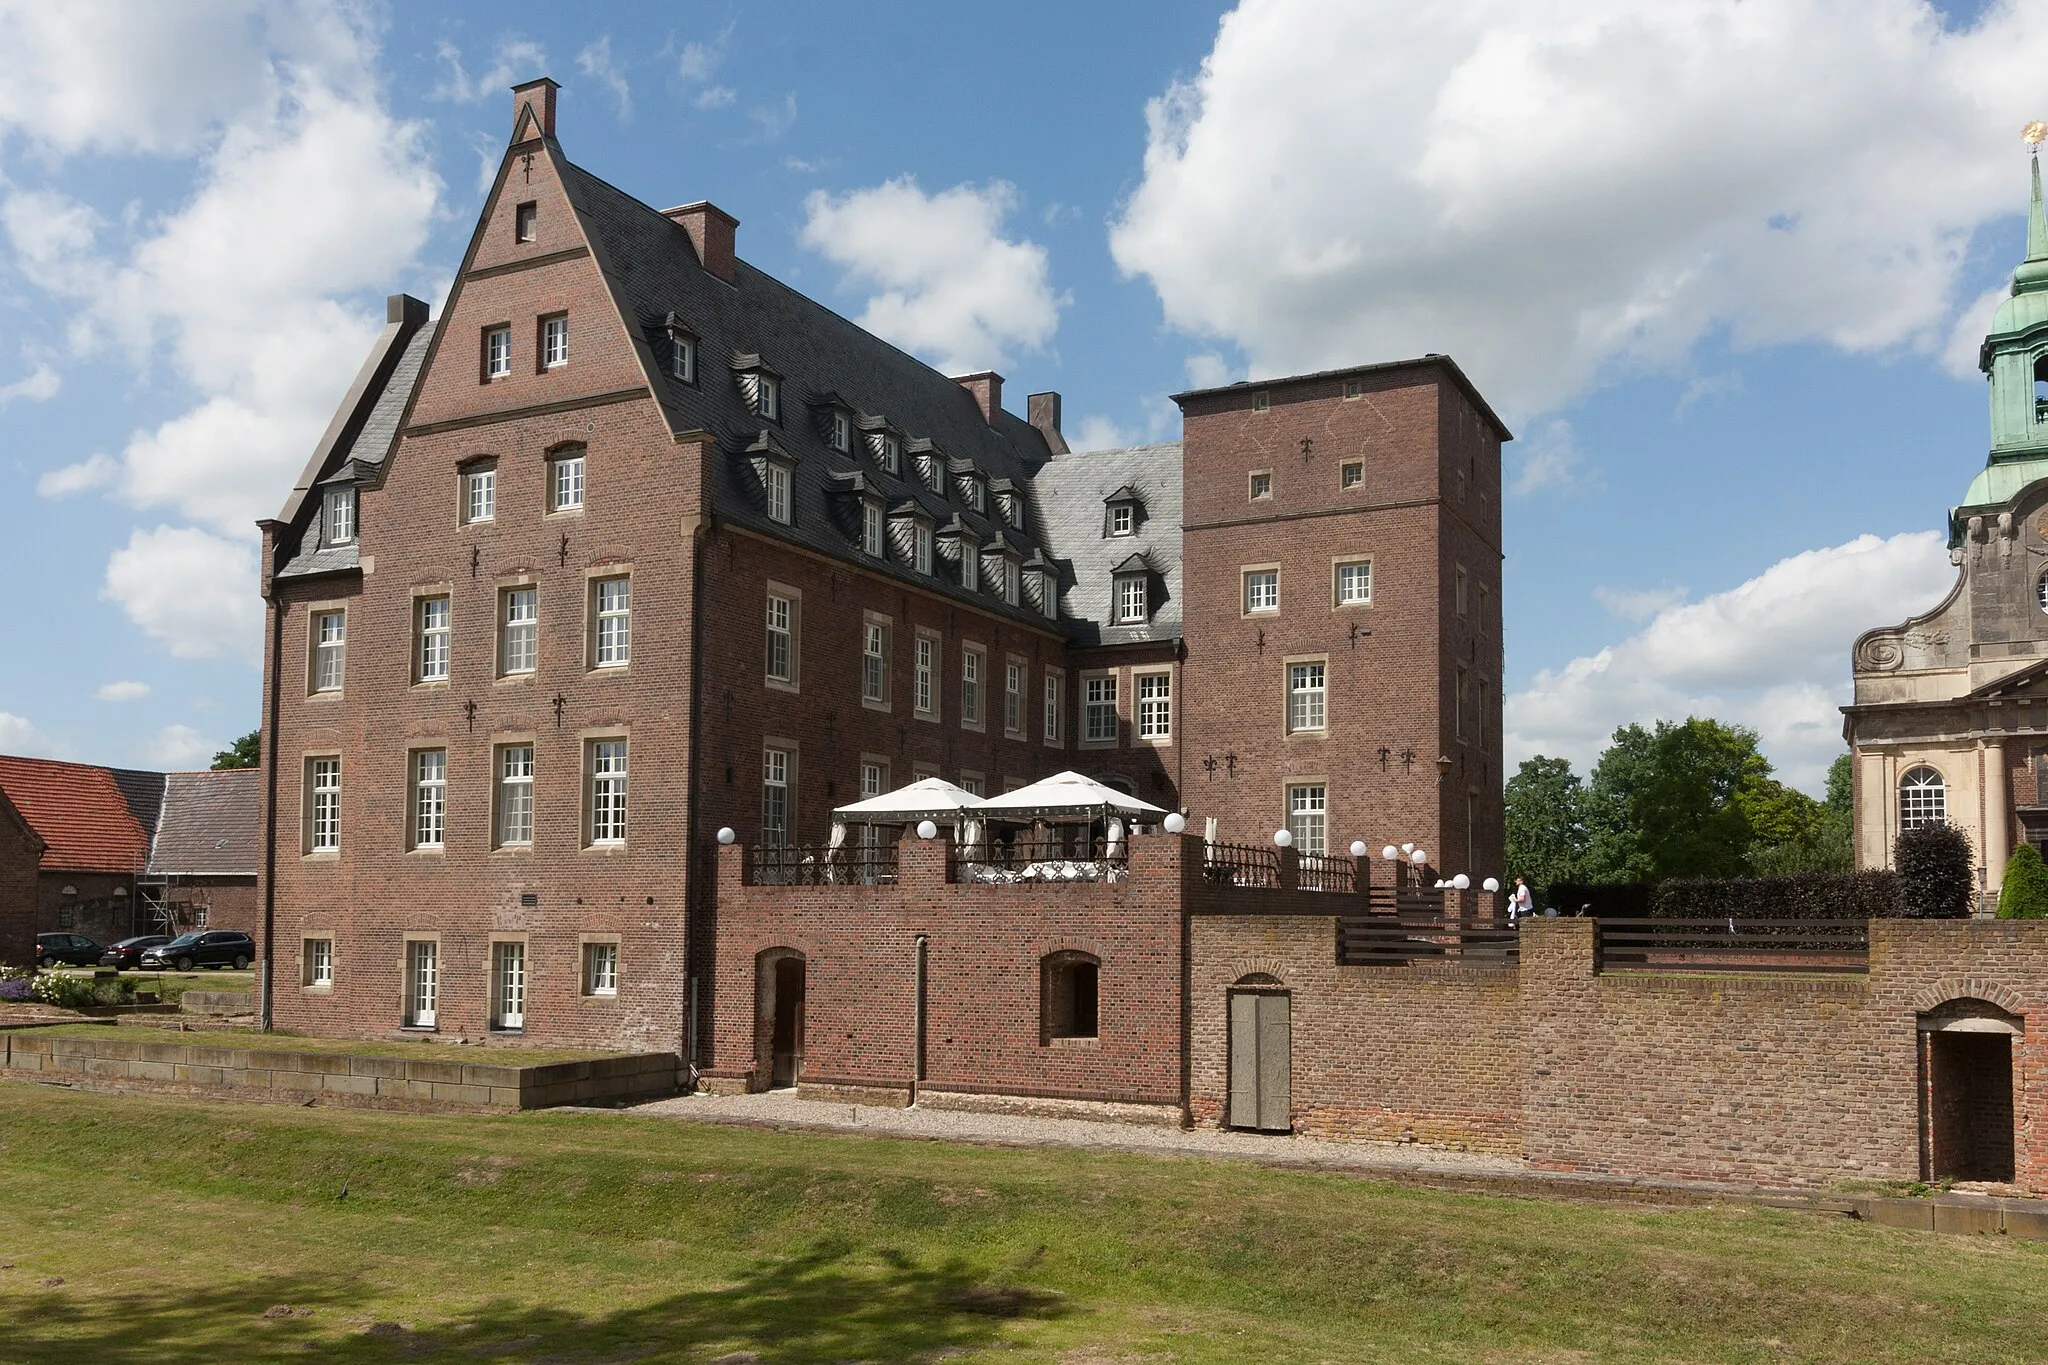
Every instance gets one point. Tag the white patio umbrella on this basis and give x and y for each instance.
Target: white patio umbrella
(1068, 795)
(928, 798)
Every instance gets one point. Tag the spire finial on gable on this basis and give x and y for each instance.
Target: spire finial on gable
(533, 110)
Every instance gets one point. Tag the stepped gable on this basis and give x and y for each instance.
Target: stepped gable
(209, 824)
(90, 819)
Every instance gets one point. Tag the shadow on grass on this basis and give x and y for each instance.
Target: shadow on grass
(824, 1304)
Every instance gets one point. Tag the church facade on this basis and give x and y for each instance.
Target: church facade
(1950, 717)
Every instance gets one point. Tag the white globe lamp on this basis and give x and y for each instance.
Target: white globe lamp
(1176, 822)
(1358, 848)
(1283, 837)
(1407, 848)
(725, 834)
(927, 830)
(1462, 882)
(1420, 857)
(1391, 854)
(1490, 884)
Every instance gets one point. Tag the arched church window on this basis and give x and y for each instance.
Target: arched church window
(1923, 799)
(2041, 388)
(2041, 591)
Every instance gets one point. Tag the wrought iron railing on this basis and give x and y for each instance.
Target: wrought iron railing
(1241, 865)
(1077, 856)
(821, 865)
(1382, 941)
(1320, 872)
(1830, 946)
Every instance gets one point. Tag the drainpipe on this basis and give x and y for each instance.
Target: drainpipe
(917, 1018)
(267, 756)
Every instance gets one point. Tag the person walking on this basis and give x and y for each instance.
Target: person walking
(1520, 902)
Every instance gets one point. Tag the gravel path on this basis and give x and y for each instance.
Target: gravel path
(783, 1109)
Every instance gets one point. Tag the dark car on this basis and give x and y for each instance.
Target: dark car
(203, 948)
(74, 949)
(128, 952)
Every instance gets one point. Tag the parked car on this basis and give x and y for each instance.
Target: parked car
(215, 948)
(128, 952)
(73, 949)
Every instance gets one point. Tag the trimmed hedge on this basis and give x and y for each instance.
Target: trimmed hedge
(1601, 900)
(2024, 894)
(1802, 895)
(1936, 870)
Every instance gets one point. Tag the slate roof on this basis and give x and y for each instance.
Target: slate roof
(91, 819)
(1071, 492)
(209, 824)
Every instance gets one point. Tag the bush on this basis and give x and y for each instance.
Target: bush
(1935, 870)
(82, 992)
(17, 984)
(1800, 896)
(2025, 892)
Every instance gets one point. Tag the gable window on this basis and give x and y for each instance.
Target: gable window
(1354, 584)
(608, 791)
(434, 637)
(323, 805)
(1130, 599)
(614, 618)
(1098, 709)
(1262, 484)
(525, 222)
(925, 697)
(565, 482)
(1055, 686)
(497, 352)
(519, 631)
(971, 658)
(515, 795)
(874, 663)
(842, 431)
(1013, 699)
(1305, 697)
(1155, 705)
(1353, 388)
(775, 796)
(341, 516)
(781, 639)
(1261, 590)
(1923, 798)
(554, 342)
(1308, 818)
(480, 494)
(429, 797)
(1262, 402)
(1123, 519)
(330, 649)
(775, 477)
(1351, 474)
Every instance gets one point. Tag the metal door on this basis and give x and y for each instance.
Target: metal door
(1261, 1094)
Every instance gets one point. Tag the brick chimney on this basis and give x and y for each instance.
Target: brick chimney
(711, 231)
(987, 388)
(1044, 413)
(533, 110)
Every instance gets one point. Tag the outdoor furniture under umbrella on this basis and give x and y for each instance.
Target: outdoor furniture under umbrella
(1070, 799)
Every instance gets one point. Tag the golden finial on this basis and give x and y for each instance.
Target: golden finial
(2035, 133)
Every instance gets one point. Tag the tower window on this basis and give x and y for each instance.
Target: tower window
(525, 222)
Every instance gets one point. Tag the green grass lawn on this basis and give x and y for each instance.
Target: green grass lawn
(361, 1047)
(171, 985)
(144, 1229)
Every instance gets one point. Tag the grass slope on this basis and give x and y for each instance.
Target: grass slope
(252, 1040)
(175, 1225)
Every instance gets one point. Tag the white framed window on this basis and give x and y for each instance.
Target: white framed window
(1354, 584)
(1923, 798)
(1009, 574)
(1014, 675)
(1305, 697)
(775, 767)
(975, 497)
(422, 982)
(554, 342)
(973, 784)
(431, 623)
(682, 355)
(525, 219)
(874, 778)
(600, 969)
(341, 516)
(508, 985)
(608, 791)
(330, 649)
(971, 660)
(970, 565)
(1261, 590)
(871, 528)
(429, 798)
(323, 805)
(519, 633)
(768, 399)
(775, 477)
(497, 352)
(1262, 484)
(1131, 607)
(1098, 709)
(1049, 593)
(925, 697)
(480, 495)
(1123, 519)
(1351, 474)
(1308, 818)
(923, 546)
(319, 960)
(874, 663)
(1155, 705)
(892, 454)
(565, 482)
(1055, 687)
(842, 431)
(515, 795)
(613, 644)
(781, 639)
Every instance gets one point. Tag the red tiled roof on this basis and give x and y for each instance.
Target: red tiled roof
(81, 812)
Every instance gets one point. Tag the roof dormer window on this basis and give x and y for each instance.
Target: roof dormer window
(922, 546)
(892, 454)
(775, 468)
(1132, 607)
(678, 350)
(768, 398)
(842, 431)
(1123, 519)
(760, 387)
(341, 516)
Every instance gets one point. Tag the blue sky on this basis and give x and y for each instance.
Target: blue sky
(1721, 268)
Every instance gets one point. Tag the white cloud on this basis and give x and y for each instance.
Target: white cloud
(1558, 193)
(1772, 653)
(18, 736)
(1636, 604)
(699, 62)
(95, 471)
(774, 119)
(947, 284)
(178, 747)
(1959, 355)
(37, 386)
(595, 61)
(1102, 433)
(516, 60)
(192, 592)
(716, 97)
(1546, 457)
(1208, 371)
(124, 690)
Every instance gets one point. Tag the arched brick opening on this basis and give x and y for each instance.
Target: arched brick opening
(1069, 1000)
(779, 1016)
(1966, 1090)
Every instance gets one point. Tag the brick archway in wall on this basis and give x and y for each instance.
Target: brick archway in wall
(1969, 1095)
(779, 987)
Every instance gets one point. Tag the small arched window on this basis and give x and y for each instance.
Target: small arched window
(1067, 995)
(1923, 799)
(2041, 388)
(2041, 591)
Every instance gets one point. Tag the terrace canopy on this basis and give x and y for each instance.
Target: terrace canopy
(928, 798)
(1069, 796)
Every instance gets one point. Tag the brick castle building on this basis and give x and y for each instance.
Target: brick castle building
(634, 542)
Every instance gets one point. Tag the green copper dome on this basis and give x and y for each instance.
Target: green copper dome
(2014, 355)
